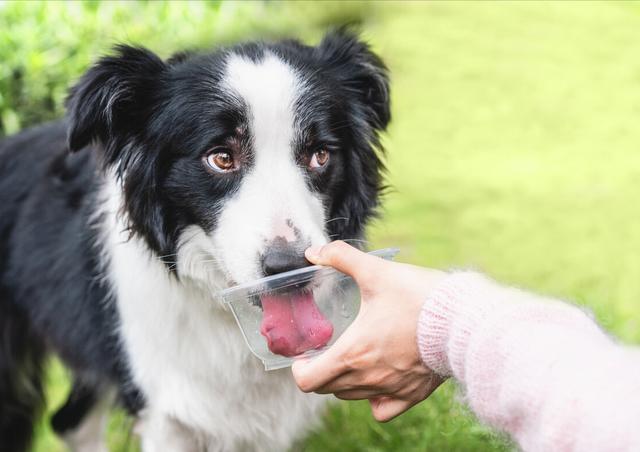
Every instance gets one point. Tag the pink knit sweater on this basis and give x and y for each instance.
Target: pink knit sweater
(539, 369)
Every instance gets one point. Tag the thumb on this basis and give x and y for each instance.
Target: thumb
(346, 259)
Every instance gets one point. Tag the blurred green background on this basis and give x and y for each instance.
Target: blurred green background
(513, 149)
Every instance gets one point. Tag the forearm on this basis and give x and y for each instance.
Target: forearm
(539, 369)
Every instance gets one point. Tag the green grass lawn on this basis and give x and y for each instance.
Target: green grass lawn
(514, 149)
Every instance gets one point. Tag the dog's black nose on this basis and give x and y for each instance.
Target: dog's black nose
(282, 256)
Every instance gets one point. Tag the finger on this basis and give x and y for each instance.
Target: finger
(346, 259)
(386, 408)
(358, 394)
(352, 380)
(343, 382)
(325, 370)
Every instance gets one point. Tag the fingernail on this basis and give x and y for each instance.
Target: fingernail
(313, 252)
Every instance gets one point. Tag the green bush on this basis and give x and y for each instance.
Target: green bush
(45, 46)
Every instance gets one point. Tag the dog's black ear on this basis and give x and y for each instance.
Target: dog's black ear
(112, 101)
(179, 57)
(362, 77)
(360, 71)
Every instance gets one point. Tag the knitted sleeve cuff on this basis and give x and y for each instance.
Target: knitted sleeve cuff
(451, 312)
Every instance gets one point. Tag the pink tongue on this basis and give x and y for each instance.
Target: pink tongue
(293, 324)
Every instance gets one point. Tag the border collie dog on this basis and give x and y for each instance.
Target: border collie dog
(167, 181)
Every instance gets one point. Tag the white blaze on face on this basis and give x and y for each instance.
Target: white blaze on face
(273, 198)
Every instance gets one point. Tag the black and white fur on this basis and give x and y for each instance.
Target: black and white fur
(115, 235)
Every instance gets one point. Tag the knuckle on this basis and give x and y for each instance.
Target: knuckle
(335, 250)
(304, 384)
(357, 357)
(330, 252)
(351, 361)
(339, 245)
(373, 380)
(379, 378)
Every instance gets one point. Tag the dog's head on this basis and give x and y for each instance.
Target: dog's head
(244, 156)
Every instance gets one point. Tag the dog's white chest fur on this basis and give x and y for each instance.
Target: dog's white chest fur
(203, 388)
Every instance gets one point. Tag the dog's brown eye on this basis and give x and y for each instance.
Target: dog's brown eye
(319, 159)
(220, 160)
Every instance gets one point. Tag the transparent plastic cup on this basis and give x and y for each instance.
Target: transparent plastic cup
(296, 313)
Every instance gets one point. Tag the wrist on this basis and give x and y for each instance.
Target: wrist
(452, 311)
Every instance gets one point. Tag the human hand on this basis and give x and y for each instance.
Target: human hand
(377, 357)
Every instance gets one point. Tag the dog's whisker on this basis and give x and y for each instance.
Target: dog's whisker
(366, 242)
(336, 219)
(167, 255)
